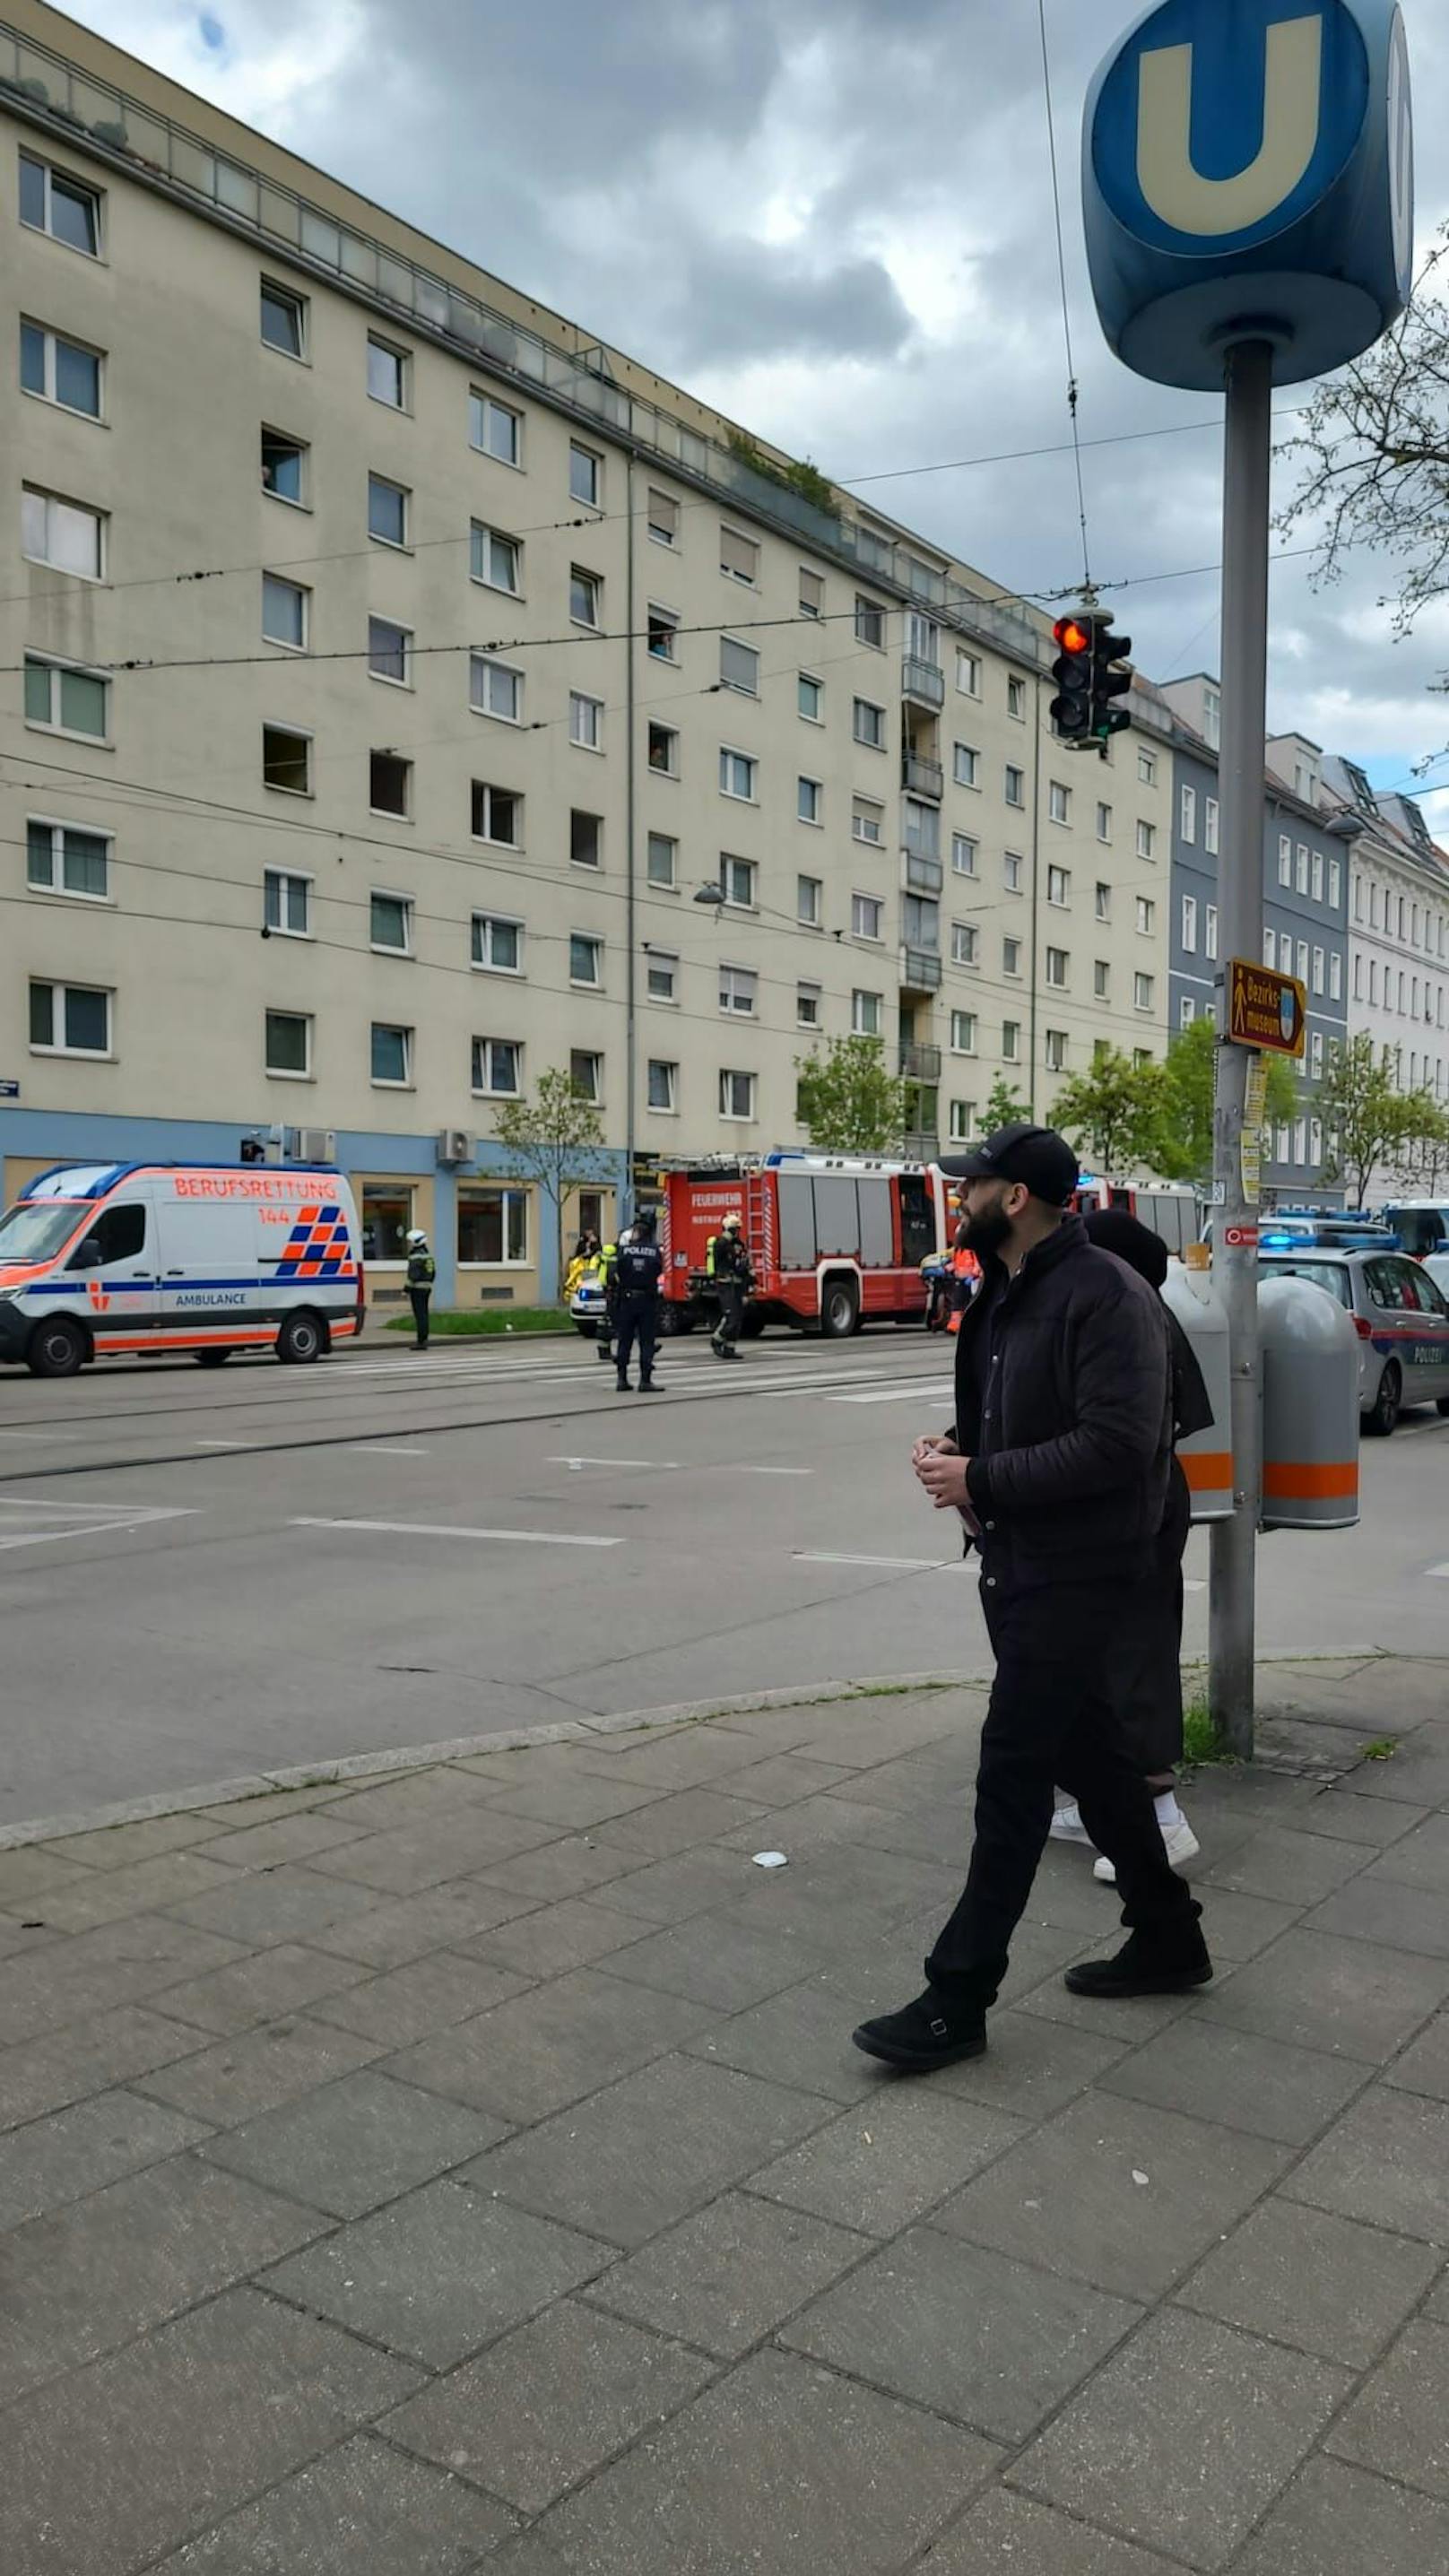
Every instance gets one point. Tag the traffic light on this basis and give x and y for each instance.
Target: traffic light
(1111, 678)
(1072, 671)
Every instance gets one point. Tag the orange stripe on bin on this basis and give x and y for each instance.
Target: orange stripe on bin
(1209, 1472)
(1300, 1483)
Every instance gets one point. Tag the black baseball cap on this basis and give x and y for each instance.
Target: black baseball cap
(1038, 1157)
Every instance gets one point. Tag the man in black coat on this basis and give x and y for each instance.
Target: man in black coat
(1058, 1463)
(636, 1277)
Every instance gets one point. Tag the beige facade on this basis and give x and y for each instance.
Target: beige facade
(412, 703)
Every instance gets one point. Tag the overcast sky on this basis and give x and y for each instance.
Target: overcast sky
(833, 220)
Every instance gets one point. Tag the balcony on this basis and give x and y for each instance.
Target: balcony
(924, 875)
(920, 1064)
(921, 1145)
(924, 683)
(922, 777)
(920, 970)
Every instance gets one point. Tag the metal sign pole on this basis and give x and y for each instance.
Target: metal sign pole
(1247, 467)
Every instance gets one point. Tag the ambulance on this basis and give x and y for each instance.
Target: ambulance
(99, 1260)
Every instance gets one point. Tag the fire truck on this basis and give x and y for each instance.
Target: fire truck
(834, 1240)
(1168, 1208)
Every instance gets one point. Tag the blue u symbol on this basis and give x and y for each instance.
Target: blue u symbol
(1171, 184)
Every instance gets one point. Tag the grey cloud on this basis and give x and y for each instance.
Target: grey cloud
(748, 303)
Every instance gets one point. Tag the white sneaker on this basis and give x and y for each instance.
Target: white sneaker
(1067, 1827)
(1178, 1841)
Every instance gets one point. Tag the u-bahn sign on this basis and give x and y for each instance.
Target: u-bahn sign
(1248, 172)
(1266, 1009)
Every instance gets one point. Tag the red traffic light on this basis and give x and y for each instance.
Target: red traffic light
(1072, 635)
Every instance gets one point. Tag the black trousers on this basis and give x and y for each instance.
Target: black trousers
(420, 1299)
(1055, 1715)
(638, 1321)
(731, 1310)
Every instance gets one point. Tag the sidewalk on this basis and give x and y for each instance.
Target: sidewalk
(468, 2168)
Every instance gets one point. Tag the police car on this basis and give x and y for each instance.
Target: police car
(1400, 1314)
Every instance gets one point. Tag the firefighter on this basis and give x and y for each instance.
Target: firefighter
(636, 1277)
(422, 1271)
(727, 1263)
(605, 1259)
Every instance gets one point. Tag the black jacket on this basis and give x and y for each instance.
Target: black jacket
(1069, 1427)
(637, 1270)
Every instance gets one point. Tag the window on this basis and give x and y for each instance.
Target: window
(1315, 1054)
(494, 690)
(965, 944)
(392, 924)
(1057, 963)
(920, 922)
(963, 1032)
(64, 534)
(868, 724)
(497, 944)
(663, 518)
(1055, 1050)
(284, 319)
(963, 854)
(739, 557)
(807, 1006)
(1011, 1041)
(387, 511)
(492, 1224)
(284, 466)
(1059, 802)
(809, 800)
(1335, 976)
(738, 878)
(1210, 826)
(495, 430)
(389, 651)
(390, 782)
(1146, 767)
(662, 860)
(1317, 886)
(289, 1043)
(661, 632)
(284, 612)
(1300, 1140)
(1358, 979)
(736, 1094)
(70, 1019)
(1270, 948)
(663, 1082)
(586, 1075)
(739, 667)
(387, 1215)
(1102, 901)
(1146, 840)
(1015, 785)
(498, 1067)
(1016, 699)
(865, 1014)
(1285, 860)
(1335, 886)
(586, 726)
(1303, 969)
(60, 371)
(1146, 916)
(287, 760)
(1318, 970)
(810, 698)
(812, 593)
(586, 959)
(586, 839)
(392, 1054)
(1012, 870)
(496, 814)
(1210, 930)
(1188, 819)
(65, 858)
(1186, 1011)
(387, 373)
(660, 978)
(968, 674)
(1101, 980)
(495, 560)
(962, 1120)
(809, 901)
(1189, 923)
(1011, 956)
(585, 595)
(865, 916)
(1058, 885)
(736, 773)
(586, 475)
(965, 765)
(1143, 988)
(62, 700)
(1104, 822)
(1300, 873)
(870, 621)
(65, 208)
(866, 820)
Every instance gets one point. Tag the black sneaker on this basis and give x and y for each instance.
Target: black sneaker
(649, 1386)
(1139, 1969)
(929, 2033)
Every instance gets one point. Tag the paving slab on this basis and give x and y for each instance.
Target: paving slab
(572, 1866)
(800, 2036)
(113, 1846)
(1015, 2533)
(1423, 2067)
(1338, 2521)
(1292, 1868)
(259, 1989)
(1346, 1817)
(1384, 1910)
(143, 1887)
(95, 1973)
(235, 2079)
(727, 1965)
(1386, 2162)
(442, 1918)
(727, 2276)
(549, 1940)
(71, 2152)
(45, 2074)
(439, 2273)
(542, 2049)
(1185, 2438)
(1304, 2277)
(1317, 1990)
(550, 2403)
(261, 1909)
(669, 1891)
(355, 2144)
(1398, 2424)
(1213, 2072)
(111, 2466)
(365, 2506)
(412, 2002)
(1419, 1858)
(889, 2160)
(407, 1858)
(572, 1798)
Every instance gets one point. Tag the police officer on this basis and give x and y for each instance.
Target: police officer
(422, 1271)
(727, 1263)
(637, 1274)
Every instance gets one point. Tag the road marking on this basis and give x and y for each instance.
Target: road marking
(1442, 1571)
(774, 1471)
(903, 1564)
(88, 1520)
(222, 1444)
(660, 1463)
(39, 1435)
(912, 1394)
(446, 1529)
(383, 1449)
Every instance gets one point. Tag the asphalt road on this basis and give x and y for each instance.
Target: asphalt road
(204, 1573)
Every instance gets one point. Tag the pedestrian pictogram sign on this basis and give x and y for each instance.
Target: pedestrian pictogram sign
(1266, 1009)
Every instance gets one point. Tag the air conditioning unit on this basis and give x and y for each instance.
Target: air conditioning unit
(316, 1144)
(455, 1145)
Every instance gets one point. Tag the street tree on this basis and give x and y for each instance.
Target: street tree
(848, 1101)
(1185, 1147)
(1005, 1107)
(556, 1139)
(1114, 1111)
(1367, 1120)
(1422, 1165)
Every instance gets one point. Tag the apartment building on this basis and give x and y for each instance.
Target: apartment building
(1398, 934)
(408, 695)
